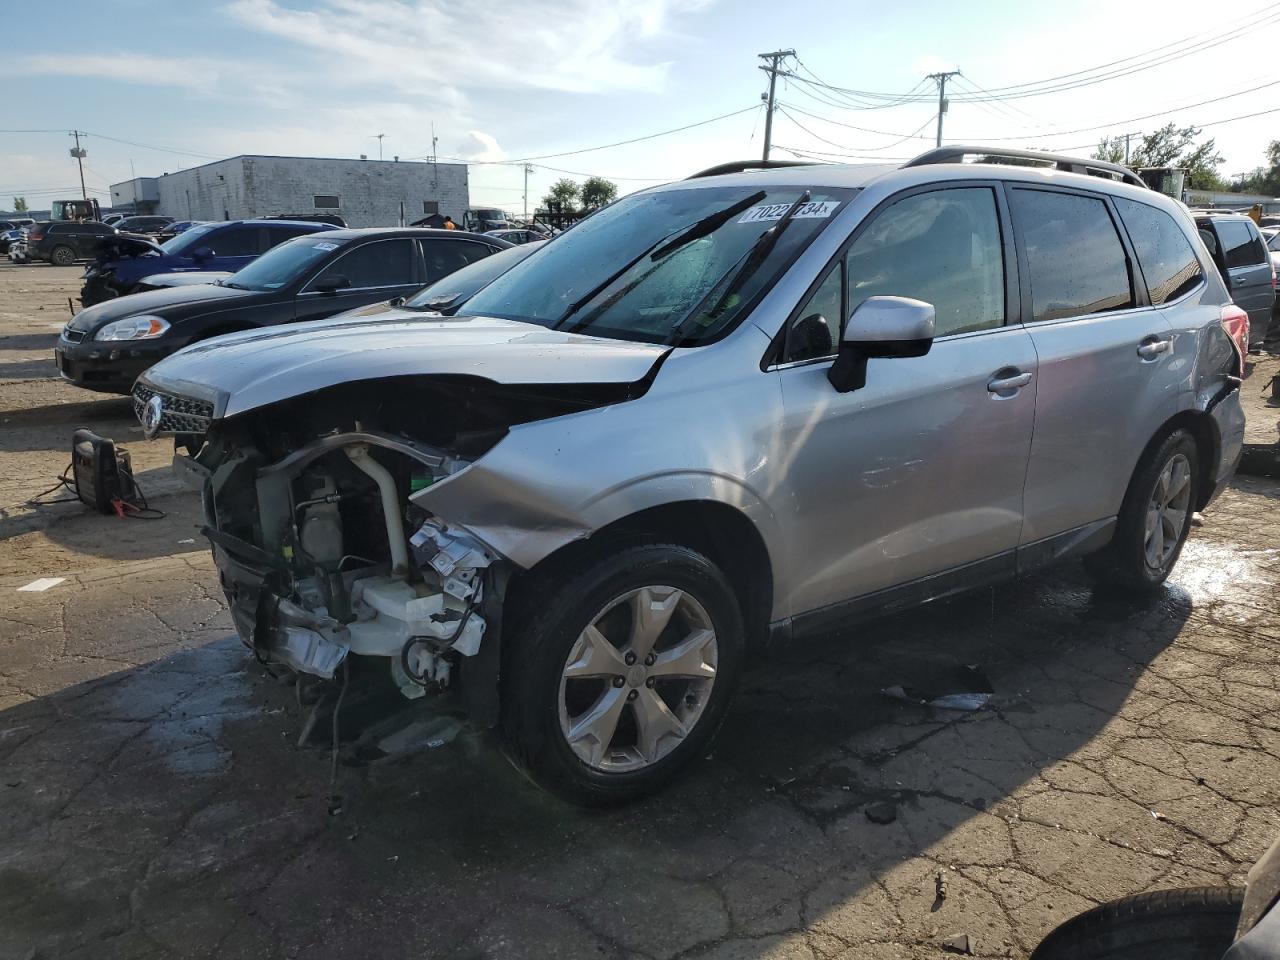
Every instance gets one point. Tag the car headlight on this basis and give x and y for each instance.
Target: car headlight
(133, 328)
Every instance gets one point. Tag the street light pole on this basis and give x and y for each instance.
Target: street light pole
(772, 70)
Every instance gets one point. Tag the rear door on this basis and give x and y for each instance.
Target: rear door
(1248, 272)
(233, 247)
(1104, 355)
(442, 256)
(375, 270)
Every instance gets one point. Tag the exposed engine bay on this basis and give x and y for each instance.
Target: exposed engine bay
(324, 555)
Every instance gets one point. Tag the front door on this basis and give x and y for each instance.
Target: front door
(921, 471)
(380, 270)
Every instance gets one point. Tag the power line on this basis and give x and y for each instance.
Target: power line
(887, 146)
(1116, 123)
(1158, 56)
(620, 143)
(838, 123)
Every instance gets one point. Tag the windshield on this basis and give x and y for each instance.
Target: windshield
(1273, 241)
(670, 266)
(280, 265)
(452, 290)
(188, 240)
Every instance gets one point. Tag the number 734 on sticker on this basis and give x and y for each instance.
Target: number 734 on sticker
(816, 210)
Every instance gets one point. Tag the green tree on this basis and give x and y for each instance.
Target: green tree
(1170, 146)
(1263, 179)
(596, 192)
(20, 204)
(562, 196)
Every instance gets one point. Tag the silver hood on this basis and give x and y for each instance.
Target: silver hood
(243, 371)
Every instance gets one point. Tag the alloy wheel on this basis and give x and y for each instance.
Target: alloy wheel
(1167, 513)
(638, 679)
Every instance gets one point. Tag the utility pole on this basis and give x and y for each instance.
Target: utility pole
(942, 79)
(528, 169)
(772, 70)
(378, 137)
(80, 154)
(1126, 149)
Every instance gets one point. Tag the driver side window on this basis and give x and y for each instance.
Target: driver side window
(942, 247)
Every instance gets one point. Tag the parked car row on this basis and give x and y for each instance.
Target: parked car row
(739, 409)
(310, 271)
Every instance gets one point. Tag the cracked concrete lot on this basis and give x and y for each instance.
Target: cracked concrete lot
(153, 802)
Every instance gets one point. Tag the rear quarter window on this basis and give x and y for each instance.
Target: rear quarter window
(1165, 255)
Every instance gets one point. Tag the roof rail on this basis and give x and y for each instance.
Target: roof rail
(1093, 168)
(739, 166)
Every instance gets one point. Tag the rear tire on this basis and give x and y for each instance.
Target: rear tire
(1191, 924)
(61, 256)
(573, 657)
(1154, 519)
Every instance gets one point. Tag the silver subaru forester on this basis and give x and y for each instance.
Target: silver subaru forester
(730, 411)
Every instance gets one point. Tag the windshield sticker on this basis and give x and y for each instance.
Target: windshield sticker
(817, 210)
(326, 246)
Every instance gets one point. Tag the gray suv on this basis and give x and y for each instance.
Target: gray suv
(731, 411)
(1240, 253)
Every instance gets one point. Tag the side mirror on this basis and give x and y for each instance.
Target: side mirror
(880, 327)
(331, 284)
(202, 254)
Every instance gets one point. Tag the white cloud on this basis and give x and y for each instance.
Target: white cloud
(188, 73)
(480, 147)
(583, 46)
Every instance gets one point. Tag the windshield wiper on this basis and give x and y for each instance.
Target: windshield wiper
(665, 245)
(436, 304)
(233, 286)
(750, 262)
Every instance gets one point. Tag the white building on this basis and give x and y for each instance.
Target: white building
(365, 193)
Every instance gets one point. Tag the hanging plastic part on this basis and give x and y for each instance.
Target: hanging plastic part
(456, 557)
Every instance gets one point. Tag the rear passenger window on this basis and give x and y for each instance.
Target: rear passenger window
(1168, 263)
(235, 242)
(443, 257)
(941, 247)
(1074, 255)
(1240, 245)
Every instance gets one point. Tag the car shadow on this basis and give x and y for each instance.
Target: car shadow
(168, 805)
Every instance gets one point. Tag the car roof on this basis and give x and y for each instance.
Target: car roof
(355, 233)
(1220, 215)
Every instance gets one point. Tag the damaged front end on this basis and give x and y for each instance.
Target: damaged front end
(324, 556)
(100, 281)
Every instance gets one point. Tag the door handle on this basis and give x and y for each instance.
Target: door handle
(1152, 347)
(1013, 381)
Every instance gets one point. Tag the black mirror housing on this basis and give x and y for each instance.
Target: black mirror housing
(884, 327)
(331, 284)
(202, 253)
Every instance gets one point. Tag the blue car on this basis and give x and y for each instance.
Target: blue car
(224, 246)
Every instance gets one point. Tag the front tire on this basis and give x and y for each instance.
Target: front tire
(622, 668)
(1154, 519)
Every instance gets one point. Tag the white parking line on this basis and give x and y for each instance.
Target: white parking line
(41, 585)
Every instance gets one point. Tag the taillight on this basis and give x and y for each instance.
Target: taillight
(1236, 322)
(35, 237)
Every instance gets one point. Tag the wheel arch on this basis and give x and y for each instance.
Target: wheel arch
(1204, 430)
(719, 531)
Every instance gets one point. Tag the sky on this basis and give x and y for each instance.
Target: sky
(160, 86)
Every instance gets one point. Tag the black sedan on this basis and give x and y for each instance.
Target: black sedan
(106, 346)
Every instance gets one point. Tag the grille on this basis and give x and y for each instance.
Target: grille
(72, 336)
(181, 414)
